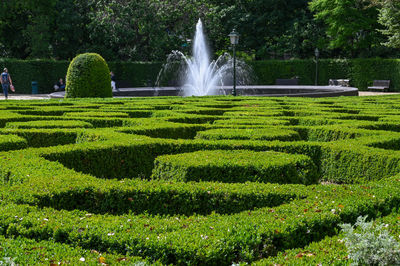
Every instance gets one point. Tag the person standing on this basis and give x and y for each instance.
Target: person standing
(113, 82)
(6, 82)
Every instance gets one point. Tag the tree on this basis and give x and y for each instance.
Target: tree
(389, 17)
(268, 28)
(143, 30)
(25, 27)
(352, 25)
(70, 34)
(13, 21)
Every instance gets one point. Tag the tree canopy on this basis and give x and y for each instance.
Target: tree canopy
(147, 30)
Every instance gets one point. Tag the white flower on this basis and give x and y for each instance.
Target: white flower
(82, 259)
(204, 237)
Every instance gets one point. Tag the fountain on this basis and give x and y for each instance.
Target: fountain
(199, 76)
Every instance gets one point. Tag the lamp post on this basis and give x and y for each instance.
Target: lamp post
(316, 52)
(234, 36)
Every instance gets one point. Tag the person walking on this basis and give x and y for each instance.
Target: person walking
(6, 82)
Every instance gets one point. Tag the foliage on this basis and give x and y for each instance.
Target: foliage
(351, 24)
(266, 133)
(49, 124)
(149, 30)
(44, 252)
(361, 72)
(389, 17)
(370, 245)
(71, 33)
(236, 166)
(88, 76)
(330, 250)
(72, 191)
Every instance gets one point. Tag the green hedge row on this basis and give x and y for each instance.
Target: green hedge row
(12, 142)
(215, 239)
(38, 137)
(68, 193)
(329, 251)
(70, 190)
(266, 133)
(361, 72)
(163, 129)
(131, 156)
(23, 251)
(348, 129)
(49, 124)
(236, 167)
(48, 72)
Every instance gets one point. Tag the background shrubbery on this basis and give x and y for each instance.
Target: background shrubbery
(361, 72)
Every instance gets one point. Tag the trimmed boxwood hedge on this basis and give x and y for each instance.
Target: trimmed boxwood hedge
(361, 72)
(24, 251)
(91, 188)
(50, 124)
(329, 251)
(250, 134)
(236, 166)
(88, 76)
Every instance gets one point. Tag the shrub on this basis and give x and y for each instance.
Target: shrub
(50, 124)
(236, 166)
(96, 114)
(360, 71)
(250, 134)
(87, 195)
(88, 76)
(370, 245)
(23, 251)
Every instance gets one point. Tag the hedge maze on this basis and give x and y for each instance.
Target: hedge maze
(198, 180)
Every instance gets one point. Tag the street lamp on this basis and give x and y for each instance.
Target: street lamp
(234, 36)
(316, 52)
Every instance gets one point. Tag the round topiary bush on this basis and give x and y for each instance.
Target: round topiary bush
(88, 76)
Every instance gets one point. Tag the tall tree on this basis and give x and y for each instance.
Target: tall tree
(352, 25)
(25, 27)
(71, 35)
(13, 20)
(389, 17)
(142, 30)
(269, 28)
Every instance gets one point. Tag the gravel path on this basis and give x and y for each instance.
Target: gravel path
(25, 96)
(373, 93)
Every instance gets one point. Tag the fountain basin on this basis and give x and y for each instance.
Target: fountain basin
(256, 90)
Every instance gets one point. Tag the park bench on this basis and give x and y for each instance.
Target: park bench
(339, 82)
(291, 82)
(380, 85)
